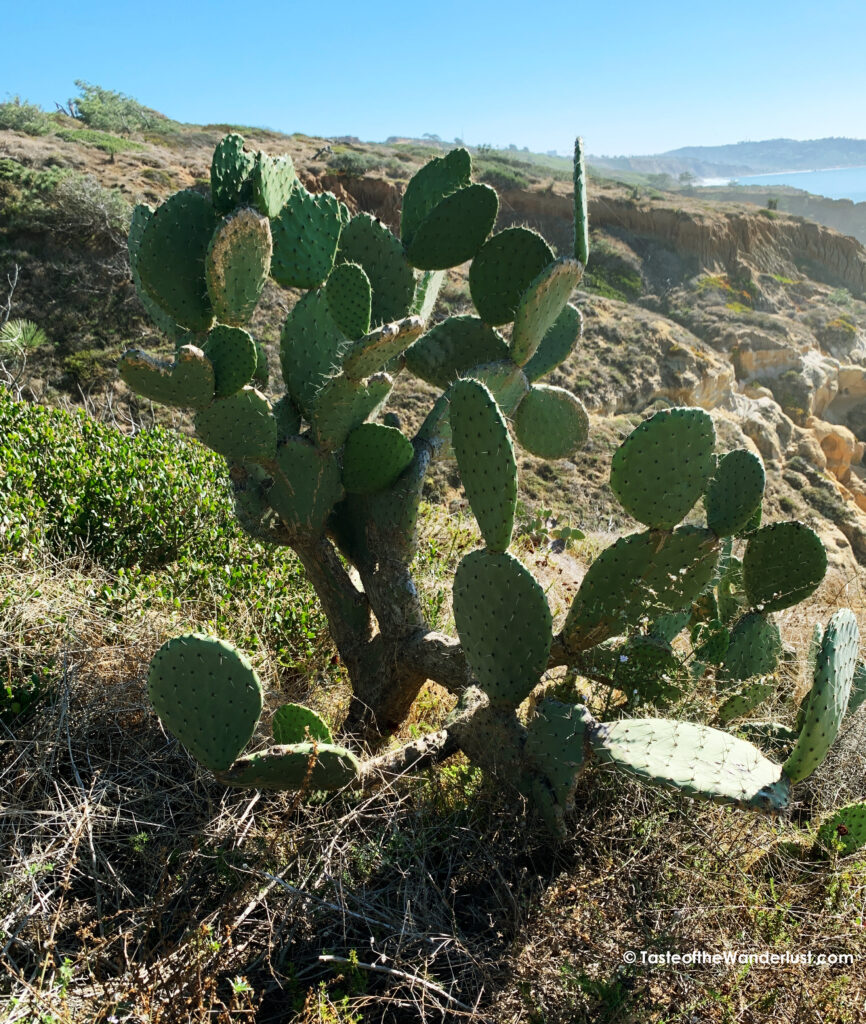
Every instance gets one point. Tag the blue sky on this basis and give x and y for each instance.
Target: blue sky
(631, 77)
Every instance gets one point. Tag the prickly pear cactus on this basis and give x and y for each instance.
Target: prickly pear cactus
(323, 468)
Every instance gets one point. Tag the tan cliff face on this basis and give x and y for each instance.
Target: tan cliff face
(721, 236)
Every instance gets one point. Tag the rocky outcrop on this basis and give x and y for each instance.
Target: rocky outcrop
(842, 215)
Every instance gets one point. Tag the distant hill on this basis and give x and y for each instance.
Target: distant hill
(745, 158)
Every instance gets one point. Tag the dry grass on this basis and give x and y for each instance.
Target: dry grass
(136, 888)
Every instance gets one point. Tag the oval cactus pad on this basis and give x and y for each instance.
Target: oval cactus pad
(551, 422)
(506, 265)
(735, 492)
(662, 467)
(485, 457)
(784, 563)
(504, 624)
(208, 695)
(374, 456)
(828, 699)
(694, 759)
(293, 723)
(641, 574)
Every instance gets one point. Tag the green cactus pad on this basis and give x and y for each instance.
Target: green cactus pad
(754, 648)
(784, 563)
(505, 381)
(551, 423)
(348, 294)
(373, 458)
(310, 766)
(710, 641)
(504, 624)
(581, 212)
(773, 735)
(429, 186)
(234, 356)
(140, 217)
(694, 759)
(427, 289)
(828, 699)
(662, 467)
(343, 404)
(392, 515)
(454, 347)
(237, 266)
(370, 354)
(455, 229)
(541, 305)
(846, 828)
(251, 509)
(171, 258)
(262, 372)
(288, 418)
(744, 701)
(187, 382)
(239, 427)
(230, 172)
(485, 457)
(646, 671)
(735, 492)
(640, 574)
(293, 723)
(556, 345)
(668, 625)
(273, 179)
(557, 747)
(368, 242)
(506, 265)
(306, 486)
(858, 690)
(305, 236)
(311, 349)
(207, 695)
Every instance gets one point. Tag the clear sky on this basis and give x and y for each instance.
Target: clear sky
(633, 76)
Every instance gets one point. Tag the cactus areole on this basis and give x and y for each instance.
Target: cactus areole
(323, 469)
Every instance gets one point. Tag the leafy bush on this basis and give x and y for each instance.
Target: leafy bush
(66, 203)
(20, 116)
(110, 111)
(80, 485)
(502, 176)
(98, 140)
(353, 165)
(26, 193)
(92, 214)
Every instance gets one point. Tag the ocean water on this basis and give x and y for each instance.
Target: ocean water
(844, 183)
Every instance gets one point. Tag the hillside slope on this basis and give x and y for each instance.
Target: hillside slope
(756, 315)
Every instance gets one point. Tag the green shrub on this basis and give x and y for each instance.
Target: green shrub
(500, 176)
(97, 216)
(353, 165)
(70, 485)
(76, 484)
(20, 116)
(109, 111)
(98, 140)
(64, 202)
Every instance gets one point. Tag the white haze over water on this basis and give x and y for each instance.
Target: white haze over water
(840, 183)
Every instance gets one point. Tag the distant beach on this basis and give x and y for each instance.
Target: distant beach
(834, 183)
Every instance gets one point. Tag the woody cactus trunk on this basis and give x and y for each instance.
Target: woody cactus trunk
(324, 470)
